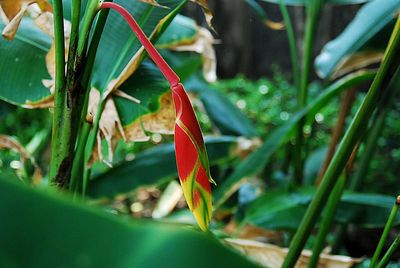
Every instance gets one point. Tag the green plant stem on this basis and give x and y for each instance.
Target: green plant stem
(327, 221)
(374, 132)
(74, 90)
(385, 234)
(352, 136)
(313, 9)
(388, 255)
(78, 163)
(292, 43)
(57, 148)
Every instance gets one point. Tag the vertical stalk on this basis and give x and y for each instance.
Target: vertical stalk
(385, 233)
(313, 8)
(388, 255)
(72, 99)
(327, 221)
(352, 136)
(345, 107)
(292, 43)
(57, 149)
(79, 163)
(374, 132)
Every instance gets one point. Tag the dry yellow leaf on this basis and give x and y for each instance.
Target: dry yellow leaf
(202, 44)
(161, 122)
(14, 10)
(206, 10)
(274, 25)
(357, 61)
(272, 256)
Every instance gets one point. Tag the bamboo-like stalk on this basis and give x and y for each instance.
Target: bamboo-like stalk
(313, 9)
(79, 163)
(350, 139)
(327, 221)
(345, 107)
(69, 102)
(374, 132)
(57, 150)
(385, 234)
(292, 43)
(388, 255)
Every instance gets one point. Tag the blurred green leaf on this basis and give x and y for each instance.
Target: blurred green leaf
(226, 116)
(255, 162)
(41, 229)
(370, 19)
(280, 209)
(152, 167)
(20, 82)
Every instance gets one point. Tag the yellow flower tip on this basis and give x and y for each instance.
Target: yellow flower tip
(203, 212)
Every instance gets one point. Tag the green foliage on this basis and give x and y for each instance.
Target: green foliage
(87, 237)
(370, 19)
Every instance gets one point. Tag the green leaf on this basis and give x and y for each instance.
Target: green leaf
(256, 161)
(21, 83)
(226, 116)
(152, 167)
(280, 209)
(370, 19)
(119, 44)
(43, 229)
(181, 30)
(302, 2)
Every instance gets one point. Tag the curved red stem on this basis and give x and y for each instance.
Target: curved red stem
(169, 74)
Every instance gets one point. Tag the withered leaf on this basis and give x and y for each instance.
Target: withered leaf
(202, 44)
(206, 10)
(272, 256)
(14, 10)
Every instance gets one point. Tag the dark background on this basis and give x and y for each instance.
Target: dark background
(250, 48)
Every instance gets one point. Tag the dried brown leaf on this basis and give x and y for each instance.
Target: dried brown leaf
(110, 127)
(272, 256)
(14, 10)
(357, 61)
(202, 44)
(206, 10)
(274, 25)
(162, 121)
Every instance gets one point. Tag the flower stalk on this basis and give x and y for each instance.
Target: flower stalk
(191, 155)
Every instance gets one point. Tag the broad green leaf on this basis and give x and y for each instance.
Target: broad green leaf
(280, 209)
(303, 2)
(255, 162)
(370, 19)
(43, 229)
(226, 116)
(23, 66)
(119, 44)
(152, 167)
(181, 30)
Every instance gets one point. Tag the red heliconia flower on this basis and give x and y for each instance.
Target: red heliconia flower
(190, 151)
(191, 158)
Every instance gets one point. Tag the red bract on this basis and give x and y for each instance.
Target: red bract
(191, 155)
